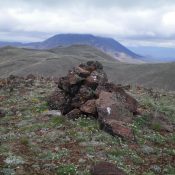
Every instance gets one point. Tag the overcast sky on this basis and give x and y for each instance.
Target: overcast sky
(133, 22)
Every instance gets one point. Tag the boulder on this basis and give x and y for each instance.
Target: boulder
(106, 168)
(127, 100)
(89, 107)
(59, 101)
(109, 106)
(74, 114)
(117, 128)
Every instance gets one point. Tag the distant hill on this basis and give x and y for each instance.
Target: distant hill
(108, 45)
(56, 62)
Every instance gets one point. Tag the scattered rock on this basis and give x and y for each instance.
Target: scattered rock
(92, 143)
(105, 168)
(2, 112)
(52, 113)
(147, 150)
(156, 168)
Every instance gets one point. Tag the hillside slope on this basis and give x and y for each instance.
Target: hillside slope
(35, 140)
(56, 62)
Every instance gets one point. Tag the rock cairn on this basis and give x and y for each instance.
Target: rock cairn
(86, 91)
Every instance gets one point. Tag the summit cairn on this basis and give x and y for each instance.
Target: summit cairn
(86, 91)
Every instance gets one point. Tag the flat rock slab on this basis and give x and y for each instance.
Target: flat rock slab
(117, 128)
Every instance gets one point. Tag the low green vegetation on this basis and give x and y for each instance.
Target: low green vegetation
(32, 142)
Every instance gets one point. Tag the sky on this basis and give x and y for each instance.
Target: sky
(132, 22)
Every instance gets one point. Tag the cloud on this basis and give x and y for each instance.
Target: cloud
(134, 20)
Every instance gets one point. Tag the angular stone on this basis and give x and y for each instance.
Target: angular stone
(82, 72)
(84, 94)
(74, 78)
(97, 77)
(70, 83)
(109, 106)
(117, 128)
(106, 168)
(75, 113)
(127, 100)
(91, 66)
(89, 107)
(59, 101)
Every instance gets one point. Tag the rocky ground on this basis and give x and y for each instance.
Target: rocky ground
(37, 140)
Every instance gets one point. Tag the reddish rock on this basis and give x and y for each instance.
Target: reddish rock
(109, 106)
(97, 77)
(59, 101)
(117, 128)
(75, 113)
(74, 78)
(89, 107)
(105, 168)
(91, 66)
(81, 72)
(127, 100)
(113, 115)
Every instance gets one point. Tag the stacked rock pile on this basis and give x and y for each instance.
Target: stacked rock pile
(86, 91)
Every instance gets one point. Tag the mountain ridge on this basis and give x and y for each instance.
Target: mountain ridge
(107, 45)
